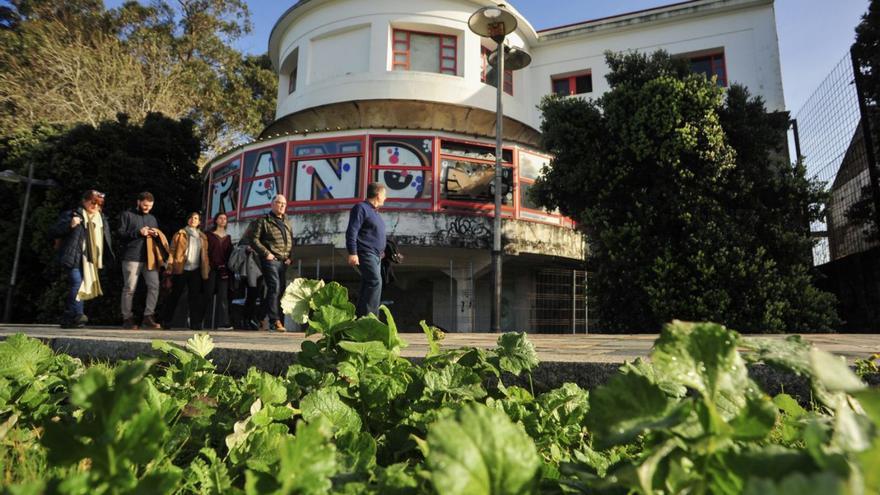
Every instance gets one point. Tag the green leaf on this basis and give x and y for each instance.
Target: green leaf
(832, 373)
(22, 358)
(372, 351)
(516, 353)
(209, 474)
(454, 380)
(628, 405)
(397, 480)
(481, 452)
(264, 386)
(756, 419)
(308, 461)
(791, 353)
(326, 403)
(434, 336)
(201, 344)
(297, 298)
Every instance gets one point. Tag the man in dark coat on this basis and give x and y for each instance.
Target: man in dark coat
(136, 227)
(84, 240)
(365, 241)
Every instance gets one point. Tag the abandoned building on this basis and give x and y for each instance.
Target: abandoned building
(402, 93)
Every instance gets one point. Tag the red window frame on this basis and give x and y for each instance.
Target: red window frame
(401, 45)
(327, 203)
(716, 60)
(477, 207)
(572, 82)
(243, 212)
(485, 52)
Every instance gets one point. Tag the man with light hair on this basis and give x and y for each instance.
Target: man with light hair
(272, 238)
(365, 241)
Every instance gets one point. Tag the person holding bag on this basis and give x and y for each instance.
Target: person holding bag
(190, 268)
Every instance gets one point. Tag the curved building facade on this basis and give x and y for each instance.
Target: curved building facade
(400, 93)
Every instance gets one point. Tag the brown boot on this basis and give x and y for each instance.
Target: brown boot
(150, 323)
(278, 326)
(128, 324)
(264, 326)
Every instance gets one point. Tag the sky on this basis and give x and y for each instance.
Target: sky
(814, 35)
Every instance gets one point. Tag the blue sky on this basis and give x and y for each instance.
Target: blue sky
(813, 34)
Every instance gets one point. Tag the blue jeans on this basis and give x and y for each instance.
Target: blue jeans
(275, 277)
(73, 309)
(371, 284)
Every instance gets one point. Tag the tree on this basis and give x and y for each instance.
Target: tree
(72, 62)
(688, 206)
(119, 158)
(867, 52)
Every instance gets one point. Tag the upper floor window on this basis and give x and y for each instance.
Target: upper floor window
(488, 76)
(710, 65)
(424, 52)
(292, 67)
(574, 84)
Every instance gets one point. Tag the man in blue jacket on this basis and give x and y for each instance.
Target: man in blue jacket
(83, 234)
(365, 241)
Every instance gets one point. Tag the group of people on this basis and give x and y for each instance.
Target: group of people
(204, 264)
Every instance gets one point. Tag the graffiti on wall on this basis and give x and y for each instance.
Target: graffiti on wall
(262, 171)
(410, 154)
(224, 189)
(319, 173)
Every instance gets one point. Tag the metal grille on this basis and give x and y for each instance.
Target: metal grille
(831, 141)
(559, 302)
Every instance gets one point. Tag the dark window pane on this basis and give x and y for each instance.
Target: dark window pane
(560, 87)
(702, 65)
(583, 84)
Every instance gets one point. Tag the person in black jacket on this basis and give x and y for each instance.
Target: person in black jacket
(84, 237)
(135, 227)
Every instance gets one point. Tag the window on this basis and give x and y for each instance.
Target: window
(488, 74)
(291, 86)
(325, 173)
(467, 174)
(710, 65)
(263, 169)
(575, 84)
(424, 52)
(223, 192)
(292, 69)
(405, 165)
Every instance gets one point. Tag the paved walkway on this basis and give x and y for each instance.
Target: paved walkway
(551, 348)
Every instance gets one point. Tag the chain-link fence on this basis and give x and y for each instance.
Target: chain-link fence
(830, 135)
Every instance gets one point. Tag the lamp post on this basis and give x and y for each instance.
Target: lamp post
(496, 22)
(10, 176)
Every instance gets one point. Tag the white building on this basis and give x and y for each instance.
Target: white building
(389, 91)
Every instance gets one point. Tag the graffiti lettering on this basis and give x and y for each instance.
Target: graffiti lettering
(223, 195)
(334, 178)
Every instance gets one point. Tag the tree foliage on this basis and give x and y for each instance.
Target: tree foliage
(74, 61)
(690, 209)
(119, 158)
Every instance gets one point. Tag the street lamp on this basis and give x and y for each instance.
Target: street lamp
(496, 22)
(10, 176)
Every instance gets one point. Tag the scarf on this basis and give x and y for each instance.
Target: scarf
(193, 248)
(92, 259)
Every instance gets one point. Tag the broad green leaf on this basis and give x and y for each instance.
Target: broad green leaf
(645, 368)
(481, 452)
(201, 344)
(372, 351)
(516, 353)
(756, 419)
(333, 294)
(701, 356)
(297, 298)
(832, 373)
(456, 381)
(791, 353)
(628, 405)
(357, 452)
(789, 406)
(308, 461)
(22, 358)
(268, 388)
(648, 468)
(397, 479)
(394, 341)
(326, 403)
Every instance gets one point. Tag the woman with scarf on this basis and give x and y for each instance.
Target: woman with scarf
(190, 268)
(83, 238)
(217, 293)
